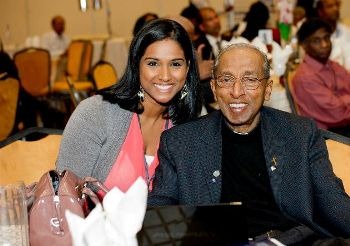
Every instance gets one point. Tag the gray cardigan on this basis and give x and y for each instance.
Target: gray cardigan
(93, 137)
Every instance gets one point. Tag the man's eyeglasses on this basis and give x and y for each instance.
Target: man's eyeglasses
(248, 82)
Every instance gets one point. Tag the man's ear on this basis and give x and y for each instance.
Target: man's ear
(213, 88)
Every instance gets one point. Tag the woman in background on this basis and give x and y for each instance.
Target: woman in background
(114, 136)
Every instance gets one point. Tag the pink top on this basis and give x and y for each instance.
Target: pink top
(322, 92)
(130, 163)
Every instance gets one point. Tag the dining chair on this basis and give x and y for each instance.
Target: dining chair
(103, 75)
(34, 69)
(289, 91)
(24, 160)
(9, 94)
(79, 56)
(338, 147)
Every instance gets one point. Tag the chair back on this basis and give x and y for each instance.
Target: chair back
(9, 93)
(76, 81)
(28, 160)
(103, 75)
(79, 59)
(34, 68)
(290, 92)
(339, 154)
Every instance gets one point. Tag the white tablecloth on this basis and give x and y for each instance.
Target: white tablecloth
(10, 49)
(278, 98)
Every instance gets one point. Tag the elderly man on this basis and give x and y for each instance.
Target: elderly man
(274, 162)
(321, 86)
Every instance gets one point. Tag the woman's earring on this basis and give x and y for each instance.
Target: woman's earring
(141, 94)
(184, 92)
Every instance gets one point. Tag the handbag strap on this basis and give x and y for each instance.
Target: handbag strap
(86, 191)
(95, 182)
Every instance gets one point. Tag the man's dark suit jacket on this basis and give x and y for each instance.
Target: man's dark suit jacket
(303, 183)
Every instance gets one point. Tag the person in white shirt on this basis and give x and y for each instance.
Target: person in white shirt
(211, 27)
(56, 41)
(329, 11)
(209, 43)
(299, 16)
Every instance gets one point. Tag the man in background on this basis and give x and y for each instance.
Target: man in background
(321, 87)
(204, 66)
(210, 44)
(210, 27)
(55, 41)
(299, 16)
(329, 11)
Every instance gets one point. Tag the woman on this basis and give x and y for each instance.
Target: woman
(114, 136)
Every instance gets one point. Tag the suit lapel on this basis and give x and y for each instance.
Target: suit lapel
(274, 149)
(211, 156)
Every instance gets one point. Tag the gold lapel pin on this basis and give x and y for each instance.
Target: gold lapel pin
(274, 164)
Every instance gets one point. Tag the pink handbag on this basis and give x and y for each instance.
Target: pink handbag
(52, 195)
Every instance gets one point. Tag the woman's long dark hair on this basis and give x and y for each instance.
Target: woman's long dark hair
(124, 93)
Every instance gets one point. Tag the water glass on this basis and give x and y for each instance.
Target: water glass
(13, 215)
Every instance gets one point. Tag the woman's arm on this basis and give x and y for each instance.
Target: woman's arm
(83, 138)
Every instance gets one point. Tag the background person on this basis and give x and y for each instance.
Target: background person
(210, 27)
(191, 12)
(209, 44)
(142, 21)
(329, 11)
(55, 41)
(204, 66)
(243, 152)
(321, 87)
(114, 136)
(299, 16)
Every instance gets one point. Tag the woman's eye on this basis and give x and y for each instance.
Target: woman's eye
(177, 64)
(152, 63)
